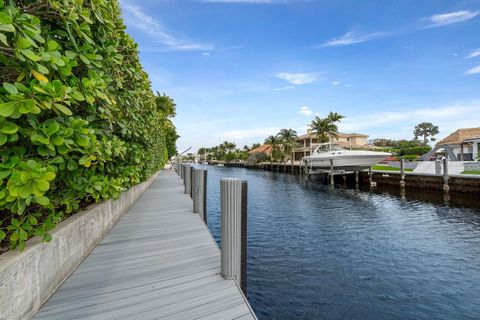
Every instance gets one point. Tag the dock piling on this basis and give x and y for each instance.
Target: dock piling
(332, 177)
(231, 229)
(446, 188)
(187, 179)
(200, 193)
(402, 173)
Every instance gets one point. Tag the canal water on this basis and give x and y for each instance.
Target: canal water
(317, 253)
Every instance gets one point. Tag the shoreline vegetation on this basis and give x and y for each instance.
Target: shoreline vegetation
(79, 122)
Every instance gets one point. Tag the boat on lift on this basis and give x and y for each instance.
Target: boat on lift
(327, 154)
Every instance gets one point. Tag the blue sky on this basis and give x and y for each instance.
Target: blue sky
(240, 70)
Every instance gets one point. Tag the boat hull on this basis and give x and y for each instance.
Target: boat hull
(344, 162)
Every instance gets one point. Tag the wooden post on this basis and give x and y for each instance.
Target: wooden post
(356, 178)
(244, 225)
(446, 188)
(230, 208)
(191, 182)
(402, 173)
(187, 179)
(370, 177)
(438, 167)
(332, 177)
(204, 201)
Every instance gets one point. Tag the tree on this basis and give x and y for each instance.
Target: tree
(425, 130)
(326, 128)
(275, 143)
(288, 138)
(255, 145)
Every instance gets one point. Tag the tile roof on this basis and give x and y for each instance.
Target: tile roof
(460, 136)
(266, 148)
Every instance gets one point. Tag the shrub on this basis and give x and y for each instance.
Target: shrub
(78, 119)
(414, 150)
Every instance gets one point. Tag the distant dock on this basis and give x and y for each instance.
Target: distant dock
(467, 183)
(158, 262)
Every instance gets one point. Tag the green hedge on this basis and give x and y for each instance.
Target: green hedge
(78, 119)
(414, 151)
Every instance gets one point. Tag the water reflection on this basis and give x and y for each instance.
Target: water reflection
(346, 253)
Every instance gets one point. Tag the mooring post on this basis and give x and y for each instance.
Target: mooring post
(191, 182)
(370, 177)
(438, 167)
(244, 224)
(231, 239)
(200, 193)
(402, 173)
(445, 174)
(332, 177)
(187, 179)
(356, 178)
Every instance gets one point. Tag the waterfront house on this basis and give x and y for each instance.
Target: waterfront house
(266, 149)
(307, 141)
(461, 145)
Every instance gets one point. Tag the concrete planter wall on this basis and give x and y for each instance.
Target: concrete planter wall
(28, 278)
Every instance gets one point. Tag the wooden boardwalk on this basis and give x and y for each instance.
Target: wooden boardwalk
(159, 262)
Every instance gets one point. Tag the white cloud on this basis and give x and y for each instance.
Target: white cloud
(135, 17)
(353, 37)
(205, 53)
(335, 83)
(475, 70)
(473, 54)
(305, 111)
(284, 88)
(298, 78)
(399, 124)
(443, 19)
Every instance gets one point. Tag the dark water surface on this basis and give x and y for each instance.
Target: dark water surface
(317, 253)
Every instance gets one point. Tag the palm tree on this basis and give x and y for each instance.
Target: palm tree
(326, 128)
(274, 142)
(332, 118)
(289, 142)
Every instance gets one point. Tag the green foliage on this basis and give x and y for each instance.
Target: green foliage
(418, 151)
(78, 119)
(326, 128)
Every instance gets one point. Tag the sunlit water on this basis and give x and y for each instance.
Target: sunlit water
(316, 253)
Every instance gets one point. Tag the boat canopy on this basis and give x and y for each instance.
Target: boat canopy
(326, 147)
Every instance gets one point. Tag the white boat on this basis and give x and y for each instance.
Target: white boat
(327, 154)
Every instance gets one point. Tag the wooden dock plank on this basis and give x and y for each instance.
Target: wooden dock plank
(158, 262)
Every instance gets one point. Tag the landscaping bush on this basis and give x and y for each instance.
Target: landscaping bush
(414, 151)
(78, 119)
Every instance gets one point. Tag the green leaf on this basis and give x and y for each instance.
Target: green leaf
(63, 109)
(32, 220)
(25, 191)
(3, 39)
(42, 185)
(47, 237)
(9, 128)
(23, 235)
(2, 3)
(7, 108)
(49, 176)
(41, 200)
(24, 43)
(14, 236)
(70, 55)
(30, 55)
(7, 27)
(52, 45)
(2, 234)
(4, 174)
(3, 139)
(5, 18)
(11, 89)
(84, 59)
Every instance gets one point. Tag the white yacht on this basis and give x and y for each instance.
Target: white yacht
(342, 159)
